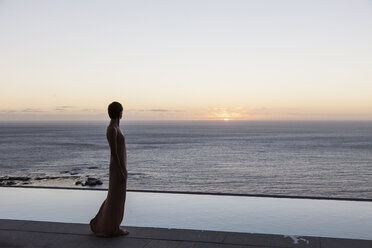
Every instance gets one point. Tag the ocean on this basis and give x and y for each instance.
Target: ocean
(293, 158)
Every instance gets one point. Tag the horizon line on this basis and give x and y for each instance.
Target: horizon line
(193, 120)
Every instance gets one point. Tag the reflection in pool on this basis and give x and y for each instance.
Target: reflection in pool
(324, 218)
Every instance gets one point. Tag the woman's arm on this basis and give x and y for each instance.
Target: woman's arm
(112, 139)
(124, 165)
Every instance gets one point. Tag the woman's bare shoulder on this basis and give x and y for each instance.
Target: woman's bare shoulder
(111, 130)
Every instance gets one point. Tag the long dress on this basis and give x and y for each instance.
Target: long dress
(110, 215)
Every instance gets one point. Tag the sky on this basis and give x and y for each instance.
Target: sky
(186, 60)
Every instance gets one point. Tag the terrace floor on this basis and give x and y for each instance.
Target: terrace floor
(21, 233)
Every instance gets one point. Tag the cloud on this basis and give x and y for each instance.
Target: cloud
(21, 111)
(63, 108)
(31, 110)
(153, 110)
(259, 111)
(159, 110)
(240, 113)
(7, 111)
(91, 110)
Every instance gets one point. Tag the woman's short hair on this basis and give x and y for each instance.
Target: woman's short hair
(114, 110)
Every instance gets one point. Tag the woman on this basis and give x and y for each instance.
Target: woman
(108, 219)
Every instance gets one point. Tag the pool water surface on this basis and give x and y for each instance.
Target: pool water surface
(323, 218)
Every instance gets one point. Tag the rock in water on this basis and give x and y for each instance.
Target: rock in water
(91, 181)
(19, 178)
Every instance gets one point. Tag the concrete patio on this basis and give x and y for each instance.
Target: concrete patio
(19, 233)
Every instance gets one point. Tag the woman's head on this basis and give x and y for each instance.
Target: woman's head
(115, 110)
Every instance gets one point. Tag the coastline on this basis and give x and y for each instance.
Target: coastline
(95, 188)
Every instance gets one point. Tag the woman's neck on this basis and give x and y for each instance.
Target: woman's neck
(115, 122)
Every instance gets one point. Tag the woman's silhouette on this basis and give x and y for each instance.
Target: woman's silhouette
(108, 219)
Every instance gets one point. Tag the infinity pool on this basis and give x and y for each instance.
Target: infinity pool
(324, 218)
